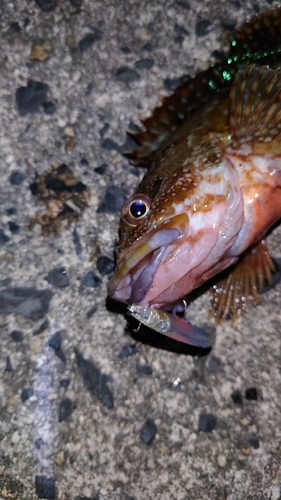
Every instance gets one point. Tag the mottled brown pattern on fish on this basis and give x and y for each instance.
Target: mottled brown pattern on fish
(172, 177)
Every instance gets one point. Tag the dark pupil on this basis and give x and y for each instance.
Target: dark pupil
(137, 209)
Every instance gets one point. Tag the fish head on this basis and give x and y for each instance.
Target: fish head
(181, 221)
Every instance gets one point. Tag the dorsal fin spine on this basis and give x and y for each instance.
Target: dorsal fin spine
(248, 46)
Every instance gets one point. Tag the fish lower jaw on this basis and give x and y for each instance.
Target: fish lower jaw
(125, 294)
(122, 292)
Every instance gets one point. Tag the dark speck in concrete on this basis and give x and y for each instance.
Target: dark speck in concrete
(8, 367)
(101, 169)
(89, 89)
(219, 55)
(30, 98)
(113, 200)
(28, 302)
(104, 129)
(62, 169)
(214, 363)
(254, 442)
(144, 369)
(26, 394)
(91, 311)
(237, 398)
(147, 47)
(17, 178)
(89, 39)
(179, 39)
(183, 5)
(58, 185)
(98, 383)
(39, 443)
(77, 243)
(228, 23)
(125, 50)
(15, 27)
(127, 350)
(17, 335)
(126, 75)
(45, 487)
(180, 30)
(55, 343)
(237, 4)
(84, 162)
(11, 211)
(134, 171)
(173, 83)
(144, 63)
(49, 107)
(65, 409)
(128, 145)
(65, 382)
(207, 422)
(14, 227)
(110, 145)
(6, 282)
(46, 5)
(148, 431)
(33, 188)
(41, 328)
(3, 237)
(251, 394)
(132, 127)
(58, 277)
(105, 265)
(76, 3)
(91, 280)
(202, 28)
(96, 497)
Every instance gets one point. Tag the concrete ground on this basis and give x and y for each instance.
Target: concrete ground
(90, 409)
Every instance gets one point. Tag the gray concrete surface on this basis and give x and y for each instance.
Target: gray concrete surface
(96, 452)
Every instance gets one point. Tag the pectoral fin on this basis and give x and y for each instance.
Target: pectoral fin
(247, 278)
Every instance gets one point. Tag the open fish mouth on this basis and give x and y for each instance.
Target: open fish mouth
(134, 276)
(135, 273)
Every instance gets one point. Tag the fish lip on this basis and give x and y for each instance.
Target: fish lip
(145, 279)
(167, 233)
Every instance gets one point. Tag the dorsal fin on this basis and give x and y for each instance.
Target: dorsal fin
(255, 104)
(172, 113)
(257, 41)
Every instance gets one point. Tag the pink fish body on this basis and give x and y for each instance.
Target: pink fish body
(207, 201)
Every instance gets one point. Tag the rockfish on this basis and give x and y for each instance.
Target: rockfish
(212, 189)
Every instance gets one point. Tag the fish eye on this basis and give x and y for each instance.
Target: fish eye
(136, 209)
